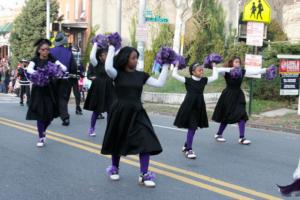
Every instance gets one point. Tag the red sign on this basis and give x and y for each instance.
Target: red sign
(289, 66)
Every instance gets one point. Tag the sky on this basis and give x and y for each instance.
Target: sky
(7, 5)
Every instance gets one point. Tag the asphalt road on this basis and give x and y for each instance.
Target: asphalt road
(71, 166)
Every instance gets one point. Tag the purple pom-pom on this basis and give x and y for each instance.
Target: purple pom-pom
(115, 40)
(180, 60)
(112, 170)
(150, 176)
(212, 58)
(271, 72)
(236, 72)
(166, 55)
(43, 75)
(101, 40)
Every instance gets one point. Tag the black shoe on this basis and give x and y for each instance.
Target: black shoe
(290, 190)
(78, 112)
(21, 104)
(66, 122)
(100, 116)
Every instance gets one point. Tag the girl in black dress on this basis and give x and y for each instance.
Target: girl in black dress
(100, 95)
(43, 102)
(192, 112)
(231, 106)
(129, 129)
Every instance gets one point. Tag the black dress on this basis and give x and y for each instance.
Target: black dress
(192, 112)
(129, 130)
(43, 103)
(231, 106)
(101, 92)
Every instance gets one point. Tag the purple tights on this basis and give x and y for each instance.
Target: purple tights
(144, 162)
(42, 127)
(242, 125)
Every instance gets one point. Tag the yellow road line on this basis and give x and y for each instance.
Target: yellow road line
(136, 164)
(165, 166)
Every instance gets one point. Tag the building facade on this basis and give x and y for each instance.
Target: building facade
(76, 21)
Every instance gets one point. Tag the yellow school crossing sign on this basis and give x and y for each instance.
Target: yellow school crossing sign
(257, 11)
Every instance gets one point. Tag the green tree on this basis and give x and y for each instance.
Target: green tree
(163, 38)
(132, 32)
(208, 34)
(30, 26)
(275, 32)
(86, 57)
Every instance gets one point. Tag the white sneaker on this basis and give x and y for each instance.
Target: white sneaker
(184, 149)
(41, 142)
(220, 138)
(244, 141)
(296, 174)
(92, 132)
(190, 154)
(147, 180)
(114, 177)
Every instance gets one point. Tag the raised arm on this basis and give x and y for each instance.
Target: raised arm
(161, 79)
(109, 63)
(253, 71)
(93, 59)
(177, 76)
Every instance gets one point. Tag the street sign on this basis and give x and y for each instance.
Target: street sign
(157, 19)
(150, 17)
(255, 34)
(257, 11)
(141, 33)
(289, 72)
(253, 61)
(289, 84)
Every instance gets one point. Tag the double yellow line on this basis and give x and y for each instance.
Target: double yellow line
(217, 186)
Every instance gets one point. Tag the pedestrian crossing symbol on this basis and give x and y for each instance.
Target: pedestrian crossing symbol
(257, 11)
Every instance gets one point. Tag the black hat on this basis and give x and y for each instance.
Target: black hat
(60, 39)
(42, 41)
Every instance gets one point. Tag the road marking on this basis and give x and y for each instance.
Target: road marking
(155, 163)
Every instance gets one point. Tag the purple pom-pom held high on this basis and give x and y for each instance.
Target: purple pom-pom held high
(166, 55)
(180, 61)
(101, 41)
(212, 58)
(115, 40)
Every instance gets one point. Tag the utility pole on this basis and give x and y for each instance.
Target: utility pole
(119, 16)
(141, 45)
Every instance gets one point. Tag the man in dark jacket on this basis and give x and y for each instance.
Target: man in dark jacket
(65, 56)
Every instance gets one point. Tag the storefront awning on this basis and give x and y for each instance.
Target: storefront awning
(6, 28)
(80, 25)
